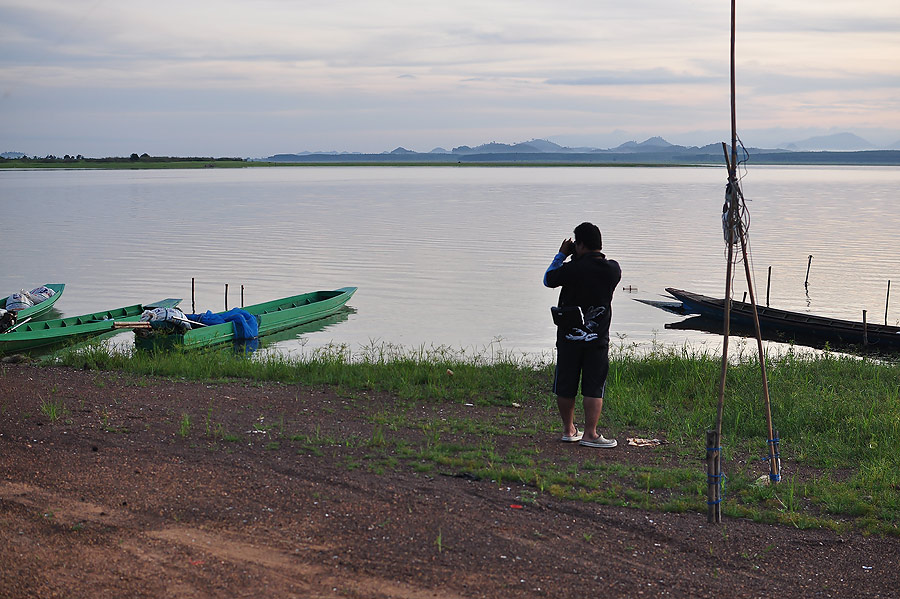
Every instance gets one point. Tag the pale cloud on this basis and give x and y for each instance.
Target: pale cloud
(255, 78)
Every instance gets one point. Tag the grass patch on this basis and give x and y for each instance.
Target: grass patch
(838, 419)
(184, 425)
(53, 409)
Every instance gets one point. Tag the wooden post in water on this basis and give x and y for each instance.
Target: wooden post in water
(226, 297)
(242, 296)
(886, 300)
(768, 285)
(193, 309)
(808, 266)
(865, 330)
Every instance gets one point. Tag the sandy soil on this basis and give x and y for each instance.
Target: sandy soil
(111, 500)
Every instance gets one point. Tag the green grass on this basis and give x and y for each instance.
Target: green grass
(184, 425)
(838, 419)
(53, 409)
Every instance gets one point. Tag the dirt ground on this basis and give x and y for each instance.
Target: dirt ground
(118, 498)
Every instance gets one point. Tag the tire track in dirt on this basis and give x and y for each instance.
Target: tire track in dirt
(156, 546)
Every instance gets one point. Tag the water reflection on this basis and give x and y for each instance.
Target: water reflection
(446, 256)
(291, 338)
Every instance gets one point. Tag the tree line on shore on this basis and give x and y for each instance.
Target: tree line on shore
(134, 157)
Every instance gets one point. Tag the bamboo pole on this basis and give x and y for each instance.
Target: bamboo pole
(887, 299)
(714, 513)
(713, 478)
(726, 325)
(226, 297)
(808, 266)
(734, 227)
(242, 296)
(193, 309)
(774, 474)
(768, 286)
(132, 325)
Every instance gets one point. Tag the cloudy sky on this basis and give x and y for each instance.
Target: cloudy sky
(254, 78)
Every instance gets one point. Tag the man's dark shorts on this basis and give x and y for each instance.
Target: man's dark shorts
(586, 361)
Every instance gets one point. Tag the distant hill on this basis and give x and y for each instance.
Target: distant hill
(499, 148)
(654, 144)
(547, 146)
(401, 150)
(838, 142)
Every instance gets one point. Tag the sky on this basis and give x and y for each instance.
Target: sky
(260, 77)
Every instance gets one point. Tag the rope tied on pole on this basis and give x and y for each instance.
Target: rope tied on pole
(717, 480)
(775, 458)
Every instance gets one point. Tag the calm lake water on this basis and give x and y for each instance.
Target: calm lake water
(446, 256)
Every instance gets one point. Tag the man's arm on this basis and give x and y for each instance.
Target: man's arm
(566, 248)
(557, 262)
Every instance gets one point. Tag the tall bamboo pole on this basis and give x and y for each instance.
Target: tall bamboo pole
(714, 505)
(737, 200)
(730, 221)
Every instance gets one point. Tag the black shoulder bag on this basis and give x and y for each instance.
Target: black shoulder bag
(567, 317)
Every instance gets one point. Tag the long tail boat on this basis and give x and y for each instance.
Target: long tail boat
(271, 316)
(40, 334)
(786, 324)
(38, 309)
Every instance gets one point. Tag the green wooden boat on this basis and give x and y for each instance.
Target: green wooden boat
(39, 334)
(272, 316)
(38, 309)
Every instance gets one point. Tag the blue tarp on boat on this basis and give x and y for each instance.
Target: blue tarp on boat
(245, 324)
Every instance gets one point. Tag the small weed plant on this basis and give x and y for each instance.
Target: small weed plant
(184, 425)
(53, 409)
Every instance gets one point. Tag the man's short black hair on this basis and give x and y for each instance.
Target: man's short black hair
(589, 235)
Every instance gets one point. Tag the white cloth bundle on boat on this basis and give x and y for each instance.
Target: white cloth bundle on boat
(18, 301)
(40, 294)
(166, 318)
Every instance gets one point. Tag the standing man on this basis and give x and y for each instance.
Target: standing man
(582, 339)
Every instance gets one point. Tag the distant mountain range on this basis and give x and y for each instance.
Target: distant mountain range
(847, 142)
(841, 148)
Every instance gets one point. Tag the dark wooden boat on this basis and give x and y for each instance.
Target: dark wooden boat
(789, 325)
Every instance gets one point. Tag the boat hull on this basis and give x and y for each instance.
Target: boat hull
(40, 334)
(788, 323)
(271, 317)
